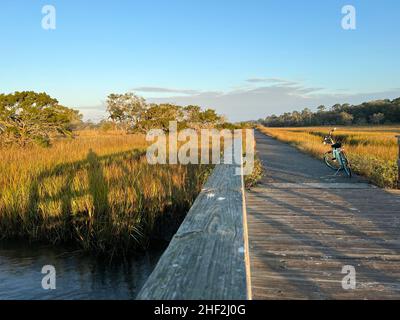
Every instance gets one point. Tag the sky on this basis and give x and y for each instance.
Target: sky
(246, 59)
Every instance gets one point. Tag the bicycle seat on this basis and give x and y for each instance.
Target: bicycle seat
(336, 145)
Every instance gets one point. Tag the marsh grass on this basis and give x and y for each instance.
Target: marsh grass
(255, 177)
(372, 151)
(96, 191)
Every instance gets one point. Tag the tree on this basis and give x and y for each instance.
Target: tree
(192, 115)
(27, 117)
(307, 116)
(337, 107)
(126, 110)
(345, 118)
(133, 114)
(377, 118)
(209, 118)
(159, 116)
(361, 121)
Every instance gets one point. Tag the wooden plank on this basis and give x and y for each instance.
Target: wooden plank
(298, 245)
(398, 164)
(315, 185)
(206, 259)
(302, 232)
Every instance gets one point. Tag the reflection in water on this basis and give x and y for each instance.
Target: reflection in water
(79, 276)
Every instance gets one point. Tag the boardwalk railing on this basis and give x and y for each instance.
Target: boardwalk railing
(207, 258)
(398, 165)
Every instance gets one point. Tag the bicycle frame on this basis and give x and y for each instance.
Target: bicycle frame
(337, 153)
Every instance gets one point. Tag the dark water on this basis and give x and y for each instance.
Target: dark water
(78, 276)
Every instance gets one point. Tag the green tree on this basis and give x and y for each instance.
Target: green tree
(377, 118)
(345, 118)
(27, 117)
(337, 108)
(192, 115)
(159, 116)
(209, 118)
(133, 114)
(306, 116)
(126, 110)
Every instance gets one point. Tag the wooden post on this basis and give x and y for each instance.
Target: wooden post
(398, 165)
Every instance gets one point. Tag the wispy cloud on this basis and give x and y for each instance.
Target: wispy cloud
(164, 90)
(272, 81)
(260, 101)
(263, 97)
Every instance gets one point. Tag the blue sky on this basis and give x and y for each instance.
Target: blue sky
(247, 59)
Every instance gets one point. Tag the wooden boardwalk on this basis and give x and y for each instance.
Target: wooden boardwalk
(305, 225)
(207, 258)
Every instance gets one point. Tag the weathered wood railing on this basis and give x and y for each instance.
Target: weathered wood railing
(398, 165)
(207, 259)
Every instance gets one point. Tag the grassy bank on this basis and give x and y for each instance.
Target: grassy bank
(372, 151)
(97, 191)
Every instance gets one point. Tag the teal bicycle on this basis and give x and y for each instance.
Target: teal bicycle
(336, 158)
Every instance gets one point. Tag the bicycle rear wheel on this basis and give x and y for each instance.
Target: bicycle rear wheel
(330, 162)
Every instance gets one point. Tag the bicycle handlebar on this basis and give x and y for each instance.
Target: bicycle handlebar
(329, 136)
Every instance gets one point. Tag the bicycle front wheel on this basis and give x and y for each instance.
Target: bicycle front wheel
(330, 161)
(346, 165)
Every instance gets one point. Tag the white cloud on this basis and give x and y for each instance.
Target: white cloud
(258, 102)
(265, 97)
(164, 90)
(94, 113)
(272, 80)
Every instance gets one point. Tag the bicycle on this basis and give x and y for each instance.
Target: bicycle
(336, 159)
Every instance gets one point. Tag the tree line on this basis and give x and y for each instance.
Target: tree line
(368, 113)
(133, 114)
(28, 117)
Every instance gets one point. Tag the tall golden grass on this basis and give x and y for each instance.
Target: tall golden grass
(96, 190)
(372, 151)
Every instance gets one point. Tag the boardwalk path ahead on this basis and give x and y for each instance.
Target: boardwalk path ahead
(305, 225)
